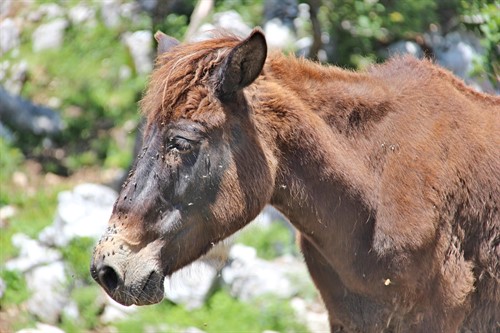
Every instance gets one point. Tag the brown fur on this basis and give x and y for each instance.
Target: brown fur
(391, 176)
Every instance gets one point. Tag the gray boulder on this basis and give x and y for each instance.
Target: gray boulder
(24, 116)
(114, 311)
(230, 21)
(41, 328)
(405, 47)
(81, 13)
(456, 51)
(49, 35)
(82, 212)
(9, 35)
(248, 276)
(110, 12)
(192, 285)
(3, 287)
(140, 45)
(32, 253)
(50, 292)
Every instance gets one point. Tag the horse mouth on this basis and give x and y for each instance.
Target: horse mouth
(134, 290)
(150, 291)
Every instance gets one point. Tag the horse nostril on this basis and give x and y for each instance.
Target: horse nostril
(108, 278)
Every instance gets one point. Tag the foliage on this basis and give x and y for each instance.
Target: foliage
(250, 10)
(94, 94)
(78, 255)
(17, 291)
(34, 212)
(10, 160)
(268, 314)
(89, 305)
(270, 242)
(483, 17)
(360, 27)
(174, 25)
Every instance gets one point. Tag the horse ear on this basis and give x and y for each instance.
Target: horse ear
(165, 42)
(242, 65)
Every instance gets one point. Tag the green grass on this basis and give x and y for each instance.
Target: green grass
(35, 204)
(34, 212)
(222, 313)
(270, 242)
(87, 299)
(17, 291)
(77, 254)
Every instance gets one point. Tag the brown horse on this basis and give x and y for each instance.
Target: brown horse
(391, 176)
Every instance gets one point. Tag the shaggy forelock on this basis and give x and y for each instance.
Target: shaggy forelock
(180, 84)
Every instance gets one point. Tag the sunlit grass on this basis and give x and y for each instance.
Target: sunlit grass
(221, 313)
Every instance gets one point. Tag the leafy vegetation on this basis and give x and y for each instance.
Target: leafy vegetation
(359, 28)
(90, 307)
(271, 241)
(16, 291)
(77, 255)
(266, 314)
(10, 160)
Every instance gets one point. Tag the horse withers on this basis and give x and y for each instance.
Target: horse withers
(391, 176)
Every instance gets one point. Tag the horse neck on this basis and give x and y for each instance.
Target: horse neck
(321, 165)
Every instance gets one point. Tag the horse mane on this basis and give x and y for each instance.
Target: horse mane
(181, 71)
(178, 86)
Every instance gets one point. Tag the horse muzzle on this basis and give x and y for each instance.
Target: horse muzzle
(128, 277)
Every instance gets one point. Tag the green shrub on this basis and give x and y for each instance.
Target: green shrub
(359, 27)
(11, 159)
(270, 242)
(78, 255)
(483, 17)
(221, 313)
(90, 308)
(17, 290)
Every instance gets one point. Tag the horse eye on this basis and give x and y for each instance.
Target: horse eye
(180, 144)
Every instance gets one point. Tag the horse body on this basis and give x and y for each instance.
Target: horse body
(397, 185)
(391, 176)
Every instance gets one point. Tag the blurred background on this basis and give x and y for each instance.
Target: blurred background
(71, 74)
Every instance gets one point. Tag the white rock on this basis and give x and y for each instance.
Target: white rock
(193, 330)
(110, 12)
(279, 35)
(5, 7)
(3, 287)
(405, 47)
(71, 311)
(49, 35)
(114, 311)
(6, 212)
(248, 276)
(191, 285)
(455, 51)
(51, 10)
(83, 212)
(232, 21)
(9, 35)
(42, 328)
(31, 253)
(14, 76)
(81, 13)
(50, 293)
(313, 315)
(140, 45)
(229, 20)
